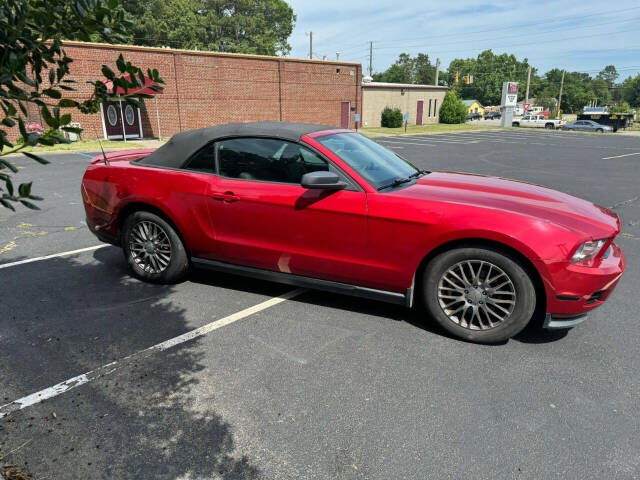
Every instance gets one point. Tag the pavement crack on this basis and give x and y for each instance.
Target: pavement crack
(625, 203)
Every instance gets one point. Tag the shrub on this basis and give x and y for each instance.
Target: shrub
(391, 117)
(452, 109)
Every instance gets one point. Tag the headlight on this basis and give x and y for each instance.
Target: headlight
(588, 250)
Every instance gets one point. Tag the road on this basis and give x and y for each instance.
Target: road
(316, 386)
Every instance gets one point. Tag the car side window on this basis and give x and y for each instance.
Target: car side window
(204, 160)
(266, 159)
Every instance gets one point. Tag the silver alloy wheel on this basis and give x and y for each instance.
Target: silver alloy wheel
(149, 247)
(476, 294)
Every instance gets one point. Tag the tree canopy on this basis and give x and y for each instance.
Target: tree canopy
(240, 26)
(490, 70)
(408, 69)
(34, 70)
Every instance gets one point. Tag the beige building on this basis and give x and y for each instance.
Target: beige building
(421, 102)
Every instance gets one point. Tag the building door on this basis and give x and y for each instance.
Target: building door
(345, 114)
(113, 114)
(419, 112)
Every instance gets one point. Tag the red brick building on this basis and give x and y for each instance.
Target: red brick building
(209, 88)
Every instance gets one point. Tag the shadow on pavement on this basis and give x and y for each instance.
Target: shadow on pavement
(71, 315)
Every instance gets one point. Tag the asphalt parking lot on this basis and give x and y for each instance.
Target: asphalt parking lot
(311, 385)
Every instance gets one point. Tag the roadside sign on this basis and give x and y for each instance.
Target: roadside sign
(509, 94)
(406, 117)
(356, 117)
(526, 106)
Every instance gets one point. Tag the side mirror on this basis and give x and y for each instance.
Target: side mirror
(322, 180)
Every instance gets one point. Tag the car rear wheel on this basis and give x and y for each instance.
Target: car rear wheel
(515, 124)
(549, 126)
(599, 130)
(153, 249)
(479, 294)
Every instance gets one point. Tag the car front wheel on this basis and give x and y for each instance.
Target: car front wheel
(479, 294)
(153, 249)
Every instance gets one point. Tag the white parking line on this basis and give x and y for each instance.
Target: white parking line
(87, 377)
(392, 142)
(619, 156)
(54, 255)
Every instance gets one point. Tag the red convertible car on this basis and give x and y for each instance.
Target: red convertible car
(326, 208)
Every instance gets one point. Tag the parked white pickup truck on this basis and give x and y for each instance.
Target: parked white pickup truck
(538, 121)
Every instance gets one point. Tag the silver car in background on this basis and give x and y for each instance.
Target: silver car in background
(588, 126)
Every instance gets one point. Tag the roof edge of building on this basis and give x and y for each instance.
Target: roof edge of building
(403, 85)
(114, 46)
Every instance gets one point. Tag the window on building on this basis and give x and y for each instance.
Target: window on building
(429, 107)
(435, 108)
(267, 159)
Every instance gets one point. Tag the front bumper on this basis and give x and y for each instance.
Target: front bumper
(561, 323)
(575, 289)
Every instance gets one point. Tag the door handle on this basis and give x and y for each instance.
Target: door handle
(228, 197)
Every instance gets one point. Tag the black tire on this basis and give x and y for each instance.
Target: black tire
(599, 130)
(515, 124)
(178, 263)
(524, 293)
(549, 126)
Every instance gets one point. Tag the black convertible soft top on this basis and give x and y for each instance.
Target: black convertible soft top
(182, 145)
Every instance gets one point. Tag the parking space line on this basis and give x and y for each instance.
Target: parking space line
(54, 255)
(109, 368)
(619, 156)
(392, 142)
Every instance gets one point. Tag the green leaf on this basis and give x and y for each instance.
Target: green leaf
(30, 205)
(9, 188)
(6, 204)
(25, 189)
(23, 130)
(8, 122)
(53, 93)
(120, 63)
(67, 103)
(8, 165)
(65, 119)
(48, 118)
(108, 73)
(52, 76)
(38, 159)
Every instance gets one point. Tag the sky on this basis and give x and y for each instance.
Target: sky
(579, 35)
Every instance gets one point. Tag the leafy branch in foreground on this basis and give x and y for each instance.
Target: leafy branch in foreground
(34, 69)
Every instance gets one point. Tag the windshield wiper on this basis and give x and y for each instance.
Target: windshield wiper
(418, 173)
(400, 181)
(395, 183)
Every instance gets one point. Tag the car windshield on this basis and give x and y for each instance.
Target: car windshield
(380, 167)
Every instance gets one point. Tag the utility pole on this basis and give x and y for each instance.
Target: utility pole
(370, 59)
(437, 71)
(310, 45)
(526, 95)
(560, 94)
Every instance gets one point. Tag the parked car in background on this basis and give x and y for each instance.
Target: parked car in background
(538, 121)
(474, 116)
(492, 115)
(328, 208)
(588, 126)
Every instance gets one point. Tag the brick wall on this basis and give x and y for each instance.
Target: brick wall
(207, 88)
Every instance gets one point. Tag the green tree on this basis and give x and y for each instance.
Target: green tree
(34, 69)
(489, 71)
(452, 109)
(609, 74)
(241, 26)
(407, 69)
(631, 90)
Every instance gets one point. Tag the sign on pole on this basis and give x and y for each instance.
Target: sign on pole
(508, 102)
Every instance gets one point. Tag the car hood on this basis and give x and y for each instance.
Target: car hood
(580, 216)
